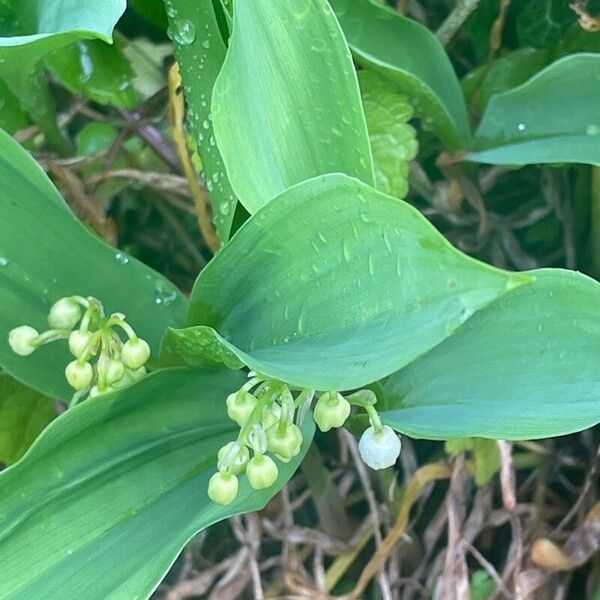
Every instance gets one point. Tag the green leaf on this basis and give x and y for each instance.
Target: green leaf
(44, 26)
(325, 302)
(540, 122)
(200, 52)
(45, 254)
(524, 367)
(23, 415)
(12, 116)
(486, 456)
(117, 485)
(412, 57)
(542, 23)
(392, 139)
(286, 106)
(504, 73)
(97, 70)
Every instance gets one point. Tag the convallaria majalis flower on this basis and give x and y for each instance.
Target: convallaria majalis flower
(270, 420)
(116, 363)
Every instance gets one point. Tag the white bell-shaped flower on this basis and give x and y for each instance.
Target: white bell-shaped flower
(379, 449)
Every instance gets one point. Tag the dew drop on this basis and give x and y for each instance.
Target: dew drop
(184, 32)
(593, 129)
(122, 258)
(3, 261)
(224, 208)
(521, 127)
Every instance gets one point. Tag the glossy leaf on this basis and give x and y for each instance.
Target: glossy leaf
(117, 485)
(539, 122)
(97, 70)
(46, 253)
(24, 413)
(47, 26)
(412, 57)
(286, 106)
(200, 52)
(12, 115)
(333, 285)
(393, 140)
(524, 367)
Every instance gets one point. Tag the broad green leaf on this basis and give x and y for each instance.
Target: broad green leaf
(524, 367)
(286, 106)
(333, 285)
(538, 122)
(542, 23)
(97, 70)
(23, 415)
(504, 73)
(200, 52)
(45, 254)
(412, 57)
(105, 499)
(393, 140)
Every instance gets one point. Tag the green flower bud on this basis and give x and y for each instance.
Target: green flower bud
(223, 488)
(78, 342)
(379, 449)
(135, 353)
(138, 373)
(331, 410)
(64, 314)
(79, 375)
(284, 443)
(270, 415)
(21, 340)
(240, 406)
(233, 457)
(114, 371)
(95, 390)
(261, 472)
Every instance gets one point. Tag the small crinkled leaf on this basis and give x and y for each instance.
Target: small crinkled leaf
(47, 253)
(540, 122)
(333, 285)
(393, 140)
(524, 367)
(485, 456)
(24, 413)
(411, 56)
(116, 486)
(286, 105)
(96, 70)
(543, 23)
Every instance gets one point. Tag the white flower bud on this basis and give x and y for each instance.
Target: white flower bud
(64, 314)
(331, 410)
(114, 371)
(78, 342)
(261, 472)
(379, 449)
(135, 353)
(21, 340)
(223, 488)
(233, 457)
(79, 375)
(284, 443)
(240, 406)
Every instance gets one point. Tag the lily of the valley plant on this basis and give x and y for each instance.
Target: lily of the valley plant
(335, 302)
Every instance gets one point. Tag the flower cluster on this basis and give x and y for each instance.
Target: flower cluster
(269, 417)
(116, 364)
